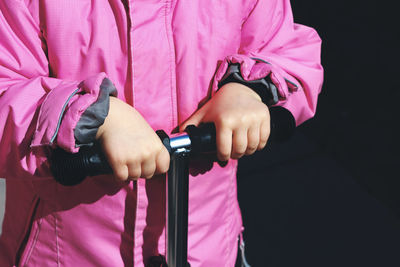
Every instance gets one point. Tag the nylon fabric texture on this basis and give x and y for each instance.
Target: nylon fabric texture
(164, 58)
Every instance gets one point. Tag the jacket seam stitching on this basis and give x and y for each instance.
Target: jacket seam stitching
(249, 12)
(29, 229)
(33, 242)
(57, 244)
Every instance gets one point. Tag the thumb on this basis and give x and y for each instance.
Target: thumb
(195, 119)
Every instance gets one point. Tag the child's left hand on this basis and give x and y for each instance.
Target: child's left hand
(241, 120)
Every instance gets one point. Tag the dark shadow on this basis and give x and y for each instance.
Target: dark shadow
(127, 242)
(21, 204)
(301, 208)
(156, 216)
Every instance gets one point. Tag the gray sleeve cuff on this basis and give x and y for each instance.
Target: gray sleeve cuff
(264, 87)
(94, 116)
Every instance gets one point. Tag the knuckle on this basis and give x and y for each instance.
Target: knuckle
(253, 139)
(121, 173)
(117, 160)
(227, 121)
(164, 152)
(264, 138)
(239, 148)
(131, 159)
(244, 120)
(252, 147)
(164, 158)
(263, 112)
(148, 169)
(164, 168)
(252, 116)
(158, 149)
(237, 155)
(268, 131)
(162, 161)
(134, 173)
(159, 146)
(148, 173)
(261, 145)
(224, 156)
(146, 154)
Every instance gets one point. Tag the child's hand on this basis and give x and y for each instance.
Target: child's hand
(131, 146)
(242, 121)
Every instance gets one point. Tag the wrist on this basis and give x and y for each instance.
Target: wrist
(87, 128)
(112, 106)
(264, 87)
(241, 89)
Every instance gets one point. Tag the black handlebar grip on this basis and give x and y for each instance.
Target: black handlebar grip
(203, 138)
(71, 169)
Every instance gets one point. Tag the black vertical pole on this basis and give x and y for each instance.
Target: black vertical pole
(177, 223)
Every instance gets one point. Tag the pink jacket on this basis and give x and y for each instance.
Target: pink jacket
(164, 58)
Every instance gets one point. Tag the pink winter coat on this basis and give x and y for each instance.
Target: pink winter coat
(164, 58)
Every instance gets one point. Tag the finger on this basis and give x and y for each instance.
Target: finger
(121, 172)
(224, 142)
(264, 134)
(253, 139)
(134, 171)
(195, 119)
(162, 162)
(239, 143)
(148, 168)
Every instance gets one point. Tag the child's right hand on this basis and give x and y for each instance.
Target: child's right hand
(131, 146)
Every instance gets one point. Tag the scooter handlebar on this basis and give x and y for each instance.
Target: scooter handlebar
(71, 169)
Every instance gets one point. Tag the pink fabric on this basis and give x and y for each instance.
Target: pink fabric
(74, 99)
(164, 57)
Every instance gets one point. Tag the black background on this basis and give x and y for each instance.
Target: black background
(330, 195)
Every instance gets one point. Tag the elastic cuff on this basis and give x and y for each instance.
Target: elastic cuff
(262, 72)
(264, 87)
(93, 117)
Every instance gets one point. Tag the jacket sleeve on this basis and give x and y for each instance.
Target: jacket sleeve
(273, 46)
(36, 111)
